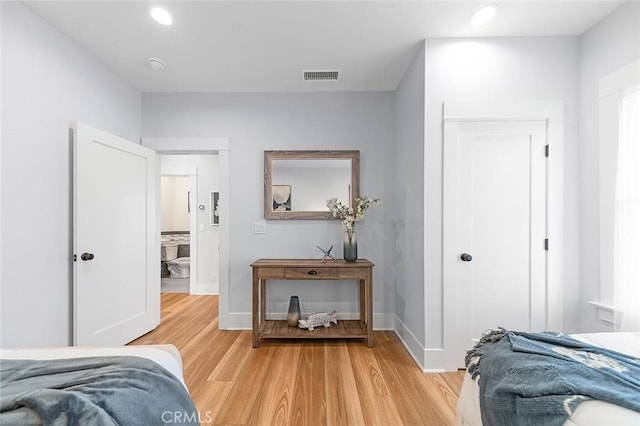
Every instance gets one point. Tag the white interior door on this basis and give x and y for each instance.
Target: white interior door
(495, 212)
(116, 295)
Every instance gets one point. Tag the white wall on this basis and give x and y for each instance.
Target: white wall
(409, 207)
(174, 196)
(493, 69)
(208, 235)
(284, 121)
(48, 82)
(611, 44)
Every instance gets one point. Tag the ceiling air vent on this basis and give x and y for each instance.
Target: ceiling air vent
(320, 75)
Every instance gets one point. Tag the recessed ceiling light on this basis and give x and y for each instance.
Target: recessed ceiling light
(161, 16)
(484, 15)
(156, 64)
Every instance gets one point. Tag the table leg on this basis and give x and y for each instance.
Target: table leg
(254, 313)
(363, 304)
(263, 300)
(369, 304)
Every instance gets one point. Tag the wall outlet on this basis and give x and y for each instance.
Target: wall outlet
(260, 228)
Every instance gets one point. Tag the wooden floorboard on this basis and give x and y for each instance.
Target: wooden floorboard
(299, 382)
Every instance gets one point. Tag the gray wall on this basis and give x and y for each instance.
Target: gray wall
(408, 214)
(47, 82)
(493, 69)
(610, 45)
(285, 121)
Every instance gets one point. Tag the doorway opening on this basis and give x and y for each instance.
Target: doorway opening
(190, 237)
(176, 208)
(218, 148)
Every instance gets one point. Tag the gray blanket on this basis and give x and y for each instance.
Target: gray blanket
(540, 378)
(118, 390)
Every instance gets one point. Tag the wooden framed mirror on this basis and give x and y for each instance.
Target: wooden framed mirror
(297, 184)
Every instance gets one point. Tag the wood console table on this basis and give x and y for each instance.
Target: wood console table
(312, 269)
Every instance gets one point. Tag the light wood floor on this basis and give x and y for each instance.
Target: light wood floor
(290, 382)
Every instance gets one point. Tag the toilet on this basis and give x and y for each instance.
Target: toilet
(168, 251)
(180, 267)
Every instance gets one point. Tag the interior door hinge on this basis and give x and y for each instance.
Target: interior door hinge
(546, 244)
(546, 150)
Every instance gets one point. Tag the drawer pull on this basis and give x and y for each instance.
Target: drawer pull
(312, 272)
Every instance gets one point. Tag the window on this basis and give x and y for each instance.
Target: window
(626, 248)
(619, 170)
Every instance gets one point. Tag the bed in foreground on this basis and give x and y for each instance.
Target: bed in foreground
(82, 385)
(518, 389)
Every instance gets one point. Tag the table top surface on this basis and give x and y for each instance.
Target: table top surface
(314, 263)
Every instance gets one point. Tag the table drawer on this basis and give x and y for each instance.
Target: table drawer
(311, 273)
(272, 272)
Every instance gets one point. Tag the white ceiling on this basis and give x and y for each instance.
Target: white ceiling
(254, 46)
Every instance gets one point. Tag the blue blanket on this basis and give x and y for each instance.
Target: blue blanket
(119, 390)
(540, 378)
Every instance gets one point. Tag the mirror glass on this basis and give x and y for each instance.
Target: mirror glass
(299, 183)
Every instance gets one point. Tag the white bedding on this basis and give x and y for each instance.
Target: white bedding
(588, 413)
(165, 355)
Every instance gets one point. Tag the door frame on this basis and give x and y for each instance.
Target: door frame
(200, 146)
(551, 111)
(192, 173)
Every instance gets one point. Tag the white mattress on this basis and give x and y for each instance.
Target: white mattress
(588, 413)
(167, 356)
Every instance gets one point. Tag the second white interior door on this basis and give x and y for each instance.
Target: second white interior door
(495, 212)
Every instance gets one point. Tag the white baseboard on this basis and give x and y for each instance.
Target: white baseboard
(409, 341)
(238, 321)
(429, 360)
(242, 321)
(340, 317)
(384, 322)
(206, 288)
(434, 361)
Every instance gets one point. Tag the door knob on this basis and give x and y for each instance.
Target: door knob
(466, 257)
(87, 256)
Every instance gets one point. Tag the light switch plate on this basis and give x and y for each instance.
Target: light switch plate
(260, 228)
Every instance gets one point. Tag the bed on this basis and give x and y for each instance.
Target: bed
(591, 412)
(91, 385)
